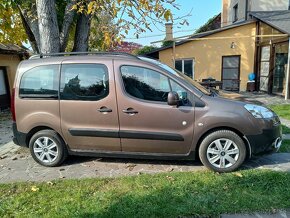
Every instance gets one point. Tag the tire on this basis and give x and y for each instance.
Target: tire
(222, 151)
(47, 148)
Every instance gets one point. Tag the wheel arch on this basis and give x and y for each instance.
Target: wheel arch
(240, 134)
(39, 128)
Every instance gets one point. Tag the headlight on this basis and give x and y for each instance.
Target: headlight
(259, 111)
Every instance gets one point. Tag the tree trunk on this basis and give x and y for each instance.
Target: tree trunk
(81, 41)
(67, 22)
(48, 26)
(28, 31)
(31, 27)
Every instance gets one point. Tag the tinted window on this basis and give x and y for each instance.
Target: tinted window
(145, 84)
(183, 94)
(84, 82)
(41, 81)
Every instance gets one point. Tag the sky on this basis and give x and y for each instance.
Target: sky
(201, 12)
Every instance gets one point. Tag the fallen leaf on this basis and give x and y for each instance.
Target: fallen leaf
(170, 178)
(50, 183)
(34, 189)
(238, 174)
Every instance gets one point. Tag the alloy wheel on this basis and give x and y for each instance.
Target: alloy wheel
(223, 153)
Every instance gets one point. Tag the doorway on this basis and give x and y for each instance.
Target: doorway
(4, 89)
(231, 73)
(280, 69)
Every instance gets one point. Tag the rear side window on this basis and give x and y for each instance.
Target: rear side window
(41, 81)
(86, 82)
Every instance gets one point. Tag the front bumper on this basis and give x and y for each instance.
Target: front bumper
(19, 138)
(269, 141)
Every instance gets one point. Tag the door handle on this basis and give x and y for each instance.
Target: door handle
(105, 110)
(130, 111)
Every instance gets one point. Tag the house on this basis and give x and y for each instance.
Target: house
(10, 56)
(253, 38)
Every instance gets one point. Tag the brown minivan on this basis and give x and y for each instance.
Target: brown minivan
(119, 105)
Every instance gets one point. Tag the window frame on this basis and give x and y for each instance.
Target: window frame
(236, 13)
(182, 61)
(238, 68)
(41, 96)
(190, 96)
(82, 98)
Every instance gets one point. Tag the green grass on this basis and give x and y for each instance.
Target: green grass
(163, 195)
(282, 110)
(285, 147)
(285, 129)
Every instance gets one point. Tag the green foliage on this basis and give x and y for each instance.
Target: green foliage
(11, 29)
(210, 25)
(167, 43)
(144, 50)
(190, 194)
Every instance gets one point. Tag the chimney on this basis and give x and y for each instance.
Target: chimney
(169, 33)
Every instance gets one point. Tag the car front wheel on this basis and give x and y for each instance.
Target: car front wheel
(222, 151)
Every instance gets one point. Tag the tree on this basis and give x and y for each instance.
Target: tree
(144, 50)
(48, 23)
(9, 17)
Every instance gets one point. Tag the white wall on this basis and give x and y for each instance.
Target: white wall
(268, 5)
(253, 5)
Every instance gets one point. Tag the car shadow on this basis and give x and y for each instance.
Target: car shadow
(267, 161)
(73, 160)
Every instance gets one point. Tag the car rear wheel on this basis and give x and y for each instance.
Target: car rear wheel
(47, 148)
(222, 151)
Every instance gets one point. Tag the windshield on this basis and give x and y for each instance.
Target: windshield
(178, 73)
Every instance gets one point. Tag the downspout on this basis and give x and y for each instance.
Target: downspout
(288, 74)
(246, 9)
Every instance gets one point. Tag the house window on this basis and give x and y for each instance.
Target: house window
(185, 66)
(236, 13)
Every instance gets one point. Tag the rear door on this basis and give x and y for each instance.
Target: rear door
(89, 116)
(147, 123)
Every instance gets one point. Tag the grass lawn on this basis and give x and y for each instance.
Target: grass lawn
(161, 195)
(282, 110)
(285, 147)
(285, 129)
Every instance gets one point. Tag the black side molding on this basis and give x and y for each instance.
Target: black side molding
(126, 134)
(94, 133)
(151, 135)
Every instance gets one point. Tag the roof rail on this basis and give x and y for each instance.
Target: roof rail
(43, 55)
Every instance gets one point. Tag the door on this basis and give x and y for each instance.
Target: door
(280, 68)
(89, 117)
(231, 73)
(147, 123)
(265, 68)
(4, 90)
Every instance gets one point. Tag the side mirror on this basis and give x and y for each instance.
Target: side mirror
(173, 99)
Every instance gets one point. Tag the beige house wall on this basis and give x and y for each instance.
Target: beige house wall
(208, 53)
(10, 62)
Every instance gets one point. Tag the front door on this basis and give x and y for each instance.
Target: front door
(4, 91)
(231, 73)
(280, 68)
(89, 116)
(147, 123)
